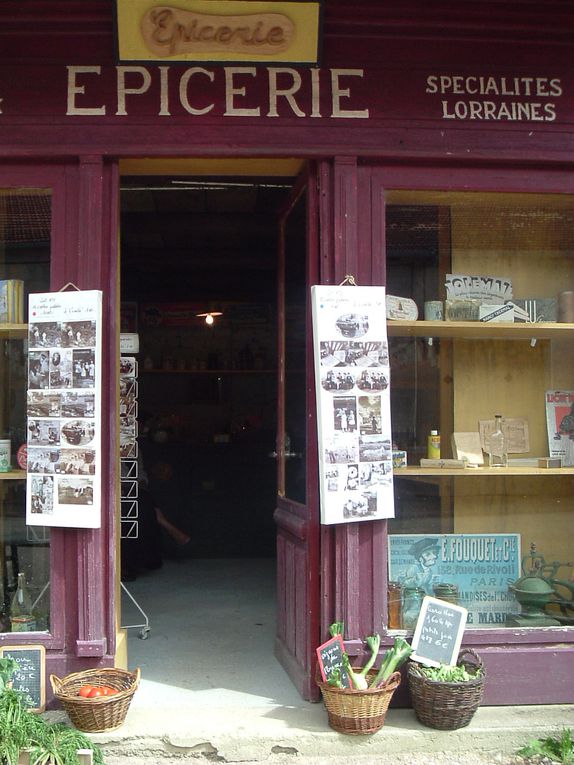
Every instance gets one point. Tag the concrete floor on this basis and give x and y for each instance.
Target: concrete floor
(212, 689)
(212, 629)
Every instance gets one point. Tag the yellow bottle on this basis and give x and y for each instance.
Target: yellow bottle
(433, 445)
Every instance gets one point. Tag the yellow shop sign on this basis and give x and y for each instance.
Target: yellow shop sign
(218, 30)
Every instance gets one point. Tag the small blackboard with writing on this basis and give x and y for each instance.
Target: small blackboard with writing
(330, 656)
(438, 632)
(30, 677)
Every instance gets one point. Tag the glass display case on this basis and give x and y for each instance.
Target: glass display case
(25, 226)
(471, 529)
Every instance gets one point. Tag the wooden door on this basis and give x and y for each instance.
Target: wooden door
(297, 512)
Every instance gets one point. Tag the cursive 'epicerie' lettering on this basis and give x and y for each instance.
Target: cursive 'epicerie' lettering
(174, 31)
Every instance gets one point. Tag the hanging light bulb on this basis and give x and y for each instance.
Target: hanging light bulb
(209, 316)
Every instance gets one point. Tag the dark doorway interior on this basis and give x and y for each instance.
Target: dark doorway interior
(207, 395)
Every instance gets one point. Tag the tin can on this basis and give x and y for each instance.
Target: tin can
(5, 456)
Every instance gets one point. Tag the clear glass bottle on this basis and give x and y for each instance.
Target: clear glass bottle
(497, 445)
(21, 617)
(412, 602)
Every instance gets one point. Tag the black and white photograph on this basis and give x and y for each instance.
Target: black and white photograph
(345, 413)
(370, 420)
(44, 334)
(83, 368)
(38, 370)
(374, 449)
(77, 432)
(340, 450)
(332, 474)
(60, 364)
(75, 404)
(337, 380)
(375, 473)
(128, 366)
(353, 324)
(43, 404)
(43, 432)
(41, 460)
(359, 506)
(371, 379)
(352, 477)
(75, 491)
(76, 462)
(42, 494)
(78, 334)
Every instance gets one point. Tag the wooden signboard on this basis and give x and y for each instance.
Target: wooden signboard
(438, 632)
(30, 677)
(330, 657)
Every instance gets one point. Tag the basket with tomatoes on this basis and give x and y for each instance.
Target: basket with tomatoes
(96, 700)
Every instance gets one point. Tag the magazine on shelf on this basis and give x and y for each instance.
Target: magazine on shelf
(560, 424)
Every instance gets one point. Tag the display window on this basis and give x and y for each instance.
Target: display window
(482, 397)
(27, 408)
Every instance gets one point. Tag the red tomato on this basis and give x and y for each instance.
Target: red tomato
(84, 691)
(95, 692)
(107, 691)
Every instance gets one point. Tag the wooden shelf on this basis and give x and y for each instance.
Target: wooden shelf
(14, 331)
(13, 475)
(415, 472)
(475, 330)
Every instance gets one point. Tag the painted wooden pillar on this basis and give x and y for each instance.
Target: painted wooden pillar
(354, 554)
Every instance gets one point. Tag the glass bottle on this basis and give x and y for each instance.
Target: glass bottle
(447, 591)
(21, 616)
(412, 602)
(394, 598)
(497, 446)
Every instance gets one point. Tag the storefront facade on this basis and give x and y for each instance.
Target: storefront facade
(428, 145)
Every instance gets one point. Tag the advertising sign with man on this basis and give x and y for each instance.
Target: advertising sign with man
(478, 568)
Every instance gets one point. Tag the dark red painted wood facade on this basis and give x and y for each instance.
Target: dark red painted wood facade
(409, 139)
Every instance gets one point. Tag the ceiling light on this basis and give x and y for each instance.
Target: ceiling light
(209, 316)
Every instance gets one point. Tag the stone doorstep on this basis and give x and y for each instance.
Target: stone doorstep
(262, 734)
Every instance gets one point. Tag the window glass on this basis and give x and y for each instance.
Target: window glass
(496, 540)
(25, 223)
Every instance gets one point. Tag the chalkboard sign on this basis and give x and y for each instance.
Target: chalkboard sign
(438, 632)
(30, 677)
(330, 656)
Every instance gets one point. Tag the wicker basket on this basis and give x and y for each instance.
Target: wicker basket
(358, 712)
(447, 706)
(102, 713)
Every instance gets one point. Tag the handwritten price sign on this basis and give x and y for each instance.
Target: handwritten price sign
(438, 632)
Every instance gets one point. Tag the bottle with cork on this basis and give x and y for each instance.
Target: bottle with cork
(433, 445)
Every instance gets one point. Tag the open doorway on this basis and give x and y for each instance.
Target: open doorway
(207, 402)
(207, 392)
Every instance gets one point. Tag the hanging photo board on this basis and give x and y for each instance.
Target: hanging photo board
(353, 403)
(64, 409)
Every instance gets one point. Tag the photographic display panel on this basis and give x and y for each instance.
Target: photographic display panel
(353, 399)
(64, 409)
